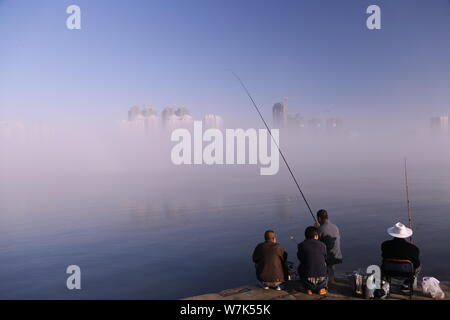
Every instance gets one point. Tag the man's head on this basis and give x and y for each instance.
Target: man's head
(269, 236)
(311, 233)
(322, 216)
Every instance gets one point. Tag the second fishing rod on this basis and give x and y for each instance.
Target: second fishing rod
(278, 147)
(408, 202)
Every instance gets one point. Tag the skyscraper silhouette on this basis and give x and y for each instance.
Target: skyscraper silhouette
(279, 112)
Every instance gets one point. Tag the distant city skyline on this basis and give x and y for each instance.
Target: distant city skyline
(146, 120)
(282, 119)
(318, 53)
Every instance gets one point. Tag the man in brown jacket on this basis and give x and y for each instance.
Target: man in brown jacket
(270, 261)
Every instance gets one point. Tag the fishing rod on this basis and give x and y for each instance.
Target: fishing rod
(408, 203)
(278, 147)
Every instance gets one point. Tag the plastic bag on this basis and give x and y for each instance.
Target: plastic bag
(430, 286)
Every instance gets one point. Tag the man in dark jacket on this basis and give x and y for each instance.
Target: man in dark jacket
(400, 249)
(329, 234)
(312, 255)
(270, 262)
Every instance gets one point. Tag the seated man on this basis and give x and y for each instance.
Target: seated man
(270, 261)
(400, 249)
(312, 255)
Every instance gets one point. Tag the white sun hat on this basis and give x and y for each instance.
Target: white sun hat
(399, 230)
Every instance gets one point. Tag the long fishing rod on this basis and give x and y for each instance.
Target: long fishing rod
(278, 147)
(408, 203)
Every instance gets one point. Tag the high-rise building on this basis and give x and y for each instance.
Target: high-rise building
(134, 113)
(151, 120)
(168, 113)
(180, 112)
(280, 113)
(212, 121)
(184, 118)
(177, 118)
(148, 112)
(295, 121)
(169, 118)
(334, 124)
(315, 123)
(136, 119)
(440, 124)
(143, 120)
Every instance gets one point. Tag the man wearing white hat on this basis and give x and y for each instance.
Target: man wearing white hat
(399, 248)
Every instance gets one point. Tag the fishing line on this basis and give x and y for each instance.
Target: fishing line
(276, 144)
(408, 203)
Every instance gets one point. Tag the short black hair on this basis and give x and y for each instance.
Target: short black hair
(322, 214)
(269, 235)
(310, 232)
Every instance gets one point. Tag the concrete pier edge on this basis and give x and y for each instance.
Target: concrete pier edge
(339, 290)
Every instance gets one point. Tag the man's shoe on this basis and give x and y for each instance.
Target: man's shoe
(309, 292)
(262, 285)
(323, 291)
(278, 288)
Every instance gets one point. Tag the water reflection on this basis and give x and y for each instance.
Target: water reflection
(170, 242)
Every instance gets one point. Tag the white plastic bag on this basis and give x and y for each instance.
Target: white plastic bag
(430, 286)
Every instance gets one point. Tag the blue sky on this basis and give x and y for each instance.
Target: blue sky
(317, 53)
